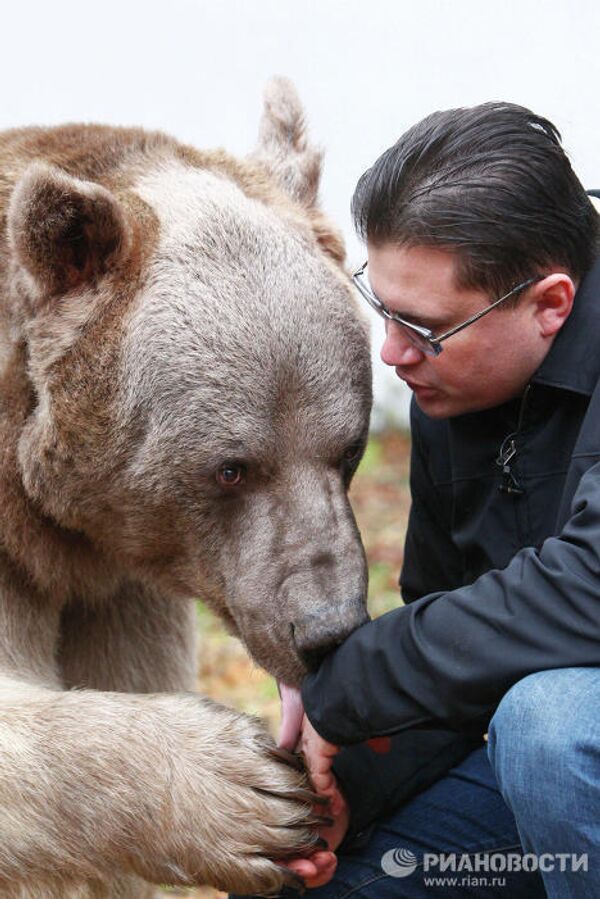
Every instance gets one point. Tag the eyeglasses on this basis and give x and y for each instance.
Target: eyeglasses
(420, 337)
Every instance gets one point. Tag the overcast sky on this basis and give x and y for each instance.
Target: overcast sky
(365, 71)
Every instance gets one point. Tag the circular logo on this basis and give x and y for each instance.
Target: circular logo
(399, 862)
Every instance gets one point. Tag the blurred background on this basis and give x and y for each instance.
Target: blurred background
(365, 72)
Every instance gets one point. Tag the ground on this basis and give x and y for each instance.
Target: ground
(380, 498)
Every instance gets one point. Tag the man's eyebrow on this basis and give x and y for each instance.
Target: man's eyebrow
(414, 318)
(431, 323)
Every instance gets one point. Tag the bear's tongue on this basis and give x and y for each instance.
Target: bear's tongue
(292, 711)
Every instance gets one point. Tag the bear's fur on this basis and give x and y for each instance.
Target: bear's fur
(184, 396)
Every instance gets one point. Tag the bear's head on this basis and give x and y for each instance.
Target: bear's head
(202, 381)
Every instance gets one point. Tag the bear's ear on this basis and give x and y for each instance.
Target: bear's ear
(64, 231)
(282, 145)
(283, 149)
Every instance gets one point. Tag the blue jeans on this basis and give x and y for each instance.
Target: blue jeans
(543, 757)
(544, 747)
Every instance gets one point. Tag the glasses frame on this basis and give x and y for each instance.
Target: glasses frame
(420, 337)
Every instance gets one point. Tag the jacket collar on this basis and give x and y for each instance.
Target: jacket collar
(573, 361)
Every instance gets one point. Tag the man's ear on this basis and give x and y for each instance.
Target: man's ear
(65, 232)
(553, 298)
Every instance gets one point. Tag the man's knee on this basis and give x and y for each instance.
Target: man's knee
(540, 728)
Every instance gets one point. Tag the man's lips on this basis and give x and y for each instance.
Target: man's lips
(414, 385)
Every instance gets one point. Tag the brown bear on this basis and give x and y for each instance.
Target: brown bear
(184, 396)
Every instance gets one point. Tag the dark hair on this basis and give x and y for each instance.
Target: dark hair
(491, 183)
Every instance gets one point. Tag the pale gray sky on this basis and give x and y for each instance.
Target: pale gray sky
(365, 71)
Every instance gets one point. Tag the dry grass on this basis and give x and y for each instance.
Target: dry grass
(380, 498)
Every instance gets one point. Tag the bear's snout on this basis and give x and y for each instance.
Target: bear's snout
(318, 633)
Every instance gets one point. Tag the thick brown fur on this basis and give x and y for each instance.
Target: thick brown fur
(165, 313)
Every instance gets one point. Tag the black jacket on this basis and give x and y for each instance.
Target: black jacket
(501, 576)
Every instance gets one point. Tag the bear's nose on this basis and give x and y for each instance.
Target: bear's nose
(312, 656)
(314, 637)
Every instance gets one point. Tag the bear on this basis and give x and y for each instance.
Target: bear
(185, 391)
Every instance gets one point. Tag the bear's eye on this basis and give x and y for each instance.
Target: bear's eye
(231, 474)
(350, 459)
(352, 455)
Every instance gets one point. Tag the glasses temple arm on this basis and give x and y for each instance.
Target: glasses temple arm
(487, 309)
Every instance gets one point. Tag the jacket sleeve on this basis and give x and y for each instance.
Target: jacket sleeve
(431, 560)
(450, 657)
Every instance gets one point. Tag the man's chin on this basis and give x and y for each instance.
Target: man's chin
(435, 404)
(443, 406)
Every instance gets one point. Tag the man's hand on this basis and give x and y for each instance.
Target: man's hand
(298, 733)
(318, 756)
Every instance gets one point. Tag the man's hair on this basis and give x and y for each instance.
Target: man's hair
(491, 183)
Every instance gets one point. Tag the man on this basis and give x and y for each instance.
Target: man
(482, 258)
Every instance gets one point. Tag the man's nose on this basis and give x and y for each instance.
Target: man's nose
(397, 348)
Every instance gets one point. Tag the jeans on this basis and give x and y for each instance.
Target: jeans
(533, 790)
(544, 746)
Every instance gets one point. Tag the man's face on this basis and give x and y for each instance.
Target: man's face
(483, 366)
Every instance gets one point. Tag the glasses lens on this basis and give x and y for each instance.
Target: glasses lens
(417, 340)
(360, 281)
(413, 336)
